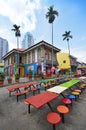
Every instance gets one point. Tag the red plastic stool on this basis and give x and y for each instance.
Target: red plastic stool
(66, 101)
(33, 90)
(82, 88)
(53, 118)
(62, 110)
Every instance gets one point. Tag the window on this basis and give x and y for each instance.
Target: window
(64, 61)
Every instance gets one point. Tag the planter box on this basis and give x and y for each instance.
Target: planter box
(10, 81)
(17, 80)
(1, 83)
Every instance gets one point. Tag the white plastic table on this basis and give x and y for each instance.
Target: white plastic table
(57, 89)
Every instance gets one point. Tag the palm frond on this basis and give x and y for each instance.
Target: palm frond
(50, 15)
(67, 35)
(64, 38)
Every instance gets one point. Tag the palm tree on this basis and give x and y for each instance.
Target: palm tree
(16, 29)
(67, 37)
(51, 15)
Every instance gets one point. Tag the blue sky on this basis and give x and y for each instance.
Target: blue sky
(30, 15)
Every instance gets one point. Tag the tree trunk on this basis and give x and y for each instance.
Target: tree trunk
(52, 44)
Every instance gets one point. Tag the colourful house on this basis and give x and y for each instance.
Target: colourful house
(1, 67)
(37, 58)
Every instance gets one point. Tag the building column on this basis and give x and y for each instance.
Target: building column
(36, 55)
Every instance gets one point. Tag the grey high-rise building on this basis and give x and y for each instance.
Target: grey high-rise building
(3, 48)
(28, 40)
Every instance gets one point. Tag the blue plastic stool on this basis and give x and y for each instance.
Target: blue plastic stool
(38, 88)
(71, 97)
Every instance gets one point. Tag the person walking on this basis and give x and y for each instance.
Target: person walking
(57, 71)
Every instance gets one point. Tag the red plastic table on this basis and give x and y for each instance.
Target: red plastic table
(41, 99)
(18, 86)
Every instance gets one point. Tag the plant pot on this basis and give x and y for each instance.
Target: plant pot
(30, 79)
(9, 81)
(17, 80)
(1, 83)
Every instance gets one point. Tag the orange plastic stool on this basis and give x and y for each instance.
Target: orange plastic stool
(27, 103)
(62, 110)
(53, 118)
(33, 90)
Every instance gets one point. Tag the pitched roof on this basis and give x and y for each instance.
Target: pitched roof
(21, 50)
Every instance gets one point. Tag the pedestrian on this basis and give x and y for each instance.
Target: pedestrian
(57, 71)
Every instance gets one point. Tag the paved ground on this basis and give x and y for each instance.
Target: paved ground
(14, 116)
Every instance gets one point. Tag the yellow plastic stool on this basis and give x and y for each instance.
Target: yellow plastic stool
(76, 94)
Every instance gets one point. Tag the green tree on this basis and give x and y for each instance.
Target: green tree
(16, 29)
(67, 37)
(51, 15)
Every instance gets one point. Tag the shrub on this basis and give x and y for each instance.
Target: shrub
(17, 76)
(9, 78)
(2, 76)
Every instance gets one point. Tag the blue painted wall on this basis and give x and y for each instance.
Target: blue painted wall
(27, 68)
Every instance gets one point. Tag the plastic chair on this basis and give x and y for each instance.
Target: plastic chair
(26, 103)
(38, 88)
(71, 97)
(62, 110)
(33, 89)
(44, 85)
(76, 94)
(77, 90)
(66, 101)
(53, 118)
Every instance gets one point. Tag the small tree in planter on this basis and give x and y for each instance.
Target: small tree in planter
(17, 77)
(9, 80)
(30, 74)
(41, 75)
(2, 77)
(35, 76)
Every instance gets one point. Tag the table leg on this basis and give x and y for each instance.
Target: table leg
(62, 115)
(10, 94)
(25, 95)
(50, 106)
(29, 108)
(62, 95)
(17, 98)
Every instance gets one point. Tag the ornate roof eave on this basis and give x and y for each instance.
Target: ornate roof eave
(42, 43)
(12, 51)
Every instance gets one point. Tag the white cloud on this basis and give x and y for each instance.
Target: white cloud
(79, 53)
(20, 12)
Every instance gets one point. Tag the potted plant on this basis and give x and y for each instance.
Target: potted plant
(35, 76)
(9, 80)
(17, 77)
(2, 77)
(41, 75)
(30, 74)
